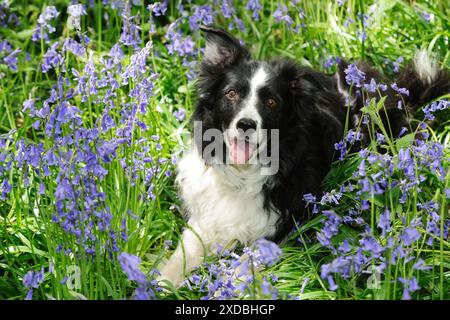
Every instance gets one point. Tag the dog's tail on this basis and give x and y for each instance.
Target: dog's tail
(421, 82)
(425, 81)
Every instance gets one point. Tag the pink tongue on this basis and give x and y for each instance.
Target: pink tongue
(240, 151)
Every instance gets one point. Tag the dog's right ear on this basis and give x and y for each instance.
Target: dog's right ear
(222, 50)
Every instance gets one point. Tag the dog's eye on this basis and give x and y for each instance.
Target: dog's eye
(231, 95)
(271, 103)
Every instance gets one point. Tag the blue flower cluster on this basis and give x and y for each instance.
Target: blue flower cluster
(237, 276)
(375, 249)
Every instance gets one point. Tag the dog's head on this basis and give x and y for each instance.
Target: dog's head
(244, 101)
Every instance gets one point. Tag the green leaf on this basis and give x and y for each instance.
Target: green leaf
(405, 141)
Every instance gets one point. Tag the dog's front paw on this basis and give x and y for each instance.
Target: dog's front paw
(170, 275)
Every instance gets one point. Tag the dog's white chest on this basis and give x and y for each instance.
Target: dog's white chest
(224, 204)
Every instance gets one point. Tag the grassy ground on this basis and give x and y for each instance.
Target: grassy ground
(90, 132)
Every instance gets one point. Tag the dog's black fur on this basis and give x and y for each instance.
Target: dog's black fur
(311, 115)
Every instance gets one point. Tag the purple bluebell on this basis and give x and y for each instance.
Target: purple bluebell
(330, 229)
(201, 15)
(255, 7)
(348, 22)
(75, 11)
(342, 147)
(52, 58)
(384, 222)
(409, 236)
(159, 8)
(44, 27)
(396, 64)
(409, 286)
(372, 86)
(282, 14)
(354, 76)
(130, 35)
(403, 91)
(430, 109)
(183, 46)
(10, 58)
(179, 114)
(32, 280)
(74, 47)
(309, 198)
(226, 8)
(268, 252)
(426, 16)
(130, 265)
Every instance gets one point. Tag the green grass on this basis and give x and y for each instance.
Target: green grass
(29, 239)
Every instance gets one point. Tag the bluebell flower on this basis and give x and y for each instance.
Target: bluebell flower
(201, 15)
(354, 76)
(380, 138)
(404, 91)
(269, 252)
(32, 280)
(255, 7)
(420, 265)
(43, 27)
(28, 105)
(329, 62)
(396, 64)
(372, 86)
(342, 147)
(384, 222)
(226, 8)
(11, 59)
(130, 265)
(330, 229)
(348, 22)
(353, 136)
(309, 198)
(371, 245)
(74, 47)
(183, 46)
(362, 35)
(158, 8)
(409, 286)
(430, 109)
(427, 16)
(364, 18)
(52, 58)
(75, 11)
(331, 197)
(179, 114)
(282, 14)
(409, 236)
(5, 189)
(402, 132)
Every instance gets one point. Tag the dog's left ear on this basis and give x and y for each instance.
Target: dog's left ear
(222, 49)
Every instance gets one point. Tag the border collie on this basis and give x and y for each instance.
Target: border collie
(226, 194)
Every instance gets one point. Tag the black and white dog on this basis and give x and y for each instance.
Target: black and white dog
(226, 194)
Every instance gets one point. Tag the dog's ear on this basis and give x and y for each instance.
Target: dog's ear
(222, 49)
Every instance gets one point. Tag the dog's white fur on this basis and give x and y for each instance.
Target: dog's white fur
(223, 203)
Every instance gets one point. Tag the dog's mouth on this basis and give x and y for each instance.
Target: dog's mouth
(241, 150)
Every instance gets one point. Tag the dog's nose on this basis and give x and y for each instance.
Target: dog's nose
(245, 124)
